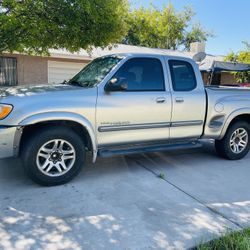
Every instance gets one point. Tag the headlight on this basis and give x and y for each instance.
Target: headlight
(5, 110)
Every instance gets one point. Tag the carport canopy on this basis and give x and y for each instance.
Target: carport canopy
(228, 66)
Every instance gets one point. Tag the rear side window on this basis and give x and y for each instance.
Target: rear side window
(182, 74)
(142, 74)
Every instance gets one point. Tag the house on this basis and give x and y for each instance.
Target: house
(20, 69)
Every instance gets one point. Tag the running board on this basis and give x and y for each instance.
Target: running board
(108, 152)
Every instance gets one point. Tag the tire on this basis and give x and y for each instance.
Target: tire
(53, 156)
(227, 147)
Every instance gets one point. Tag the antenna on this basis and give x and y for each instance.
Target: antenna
(199, 57)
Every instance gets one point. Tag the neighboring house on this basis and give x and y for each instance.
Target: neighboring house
(20, 69)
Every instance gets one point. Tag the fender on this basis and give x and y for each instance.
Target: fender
(234, 114)
(64, 116)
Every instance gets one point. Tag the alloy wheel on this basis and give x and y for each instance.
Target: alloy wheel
(239, 140)
(56, 157)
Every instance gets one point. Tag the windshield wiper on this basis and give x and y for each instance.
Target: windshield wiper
(64, 82)
(74, 83)
(87, 84)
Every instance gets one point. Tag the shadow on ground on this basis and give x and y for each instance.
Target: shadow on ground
(120, 203)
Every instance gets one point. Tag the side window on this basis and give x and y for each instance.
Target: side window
(183, 76)
(142, 74)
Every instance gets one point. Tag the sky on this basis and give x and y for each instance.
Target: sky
(229, 20)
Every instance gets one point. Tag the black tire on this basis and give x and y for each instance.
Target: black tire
(41, 137)
(223, 148)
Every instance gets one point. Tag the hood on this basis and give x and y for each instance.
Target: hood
(30, 90)
(31, 100)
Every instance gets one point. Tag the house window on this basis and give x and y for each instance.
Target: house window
(8, 71)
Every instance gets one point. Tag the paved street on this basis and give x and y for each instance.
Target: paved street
(121, 203)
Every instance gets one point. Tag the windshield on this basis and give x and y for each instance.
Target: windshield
(95, 72)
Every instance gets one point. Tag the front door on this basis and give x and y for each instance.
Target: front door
(140, 113)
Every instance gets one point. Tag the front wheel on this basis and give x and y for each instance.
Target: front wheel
(235, 144)
(53, 156)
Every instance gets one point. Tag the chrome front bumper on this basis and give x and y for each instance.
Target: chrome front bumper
(7, 138)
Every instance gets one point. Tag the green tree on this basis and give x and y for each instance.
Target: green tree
(35, 26)
(197, 34)
(241, 57)
(165, 28)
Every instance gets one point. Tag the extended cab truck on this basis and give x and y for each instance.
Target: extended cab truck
(120, 104)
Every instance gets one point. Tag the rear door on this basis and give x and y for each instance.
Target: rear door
(189, 100)
(140, 113)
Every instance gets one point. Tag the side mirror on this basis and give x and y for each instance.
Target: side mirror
(116, 84)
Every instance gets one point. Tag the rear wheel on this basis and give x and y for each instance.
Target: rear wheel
(235, 144)
(53, 156)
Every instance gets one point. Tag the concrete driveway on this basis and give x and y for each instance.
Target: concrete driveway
(120, 203)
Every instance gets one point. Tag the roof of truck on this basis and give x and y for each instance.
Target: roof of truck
(147, 54)
(117, 49)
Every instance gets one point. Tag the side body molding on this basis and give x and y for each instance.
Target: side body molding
(234, 114)
(64, 116)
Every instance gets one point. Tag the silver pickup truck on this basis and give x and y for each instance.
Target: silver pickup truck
(120, 104)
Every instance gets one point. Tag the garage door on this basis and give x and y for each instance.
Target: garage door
(60, 71)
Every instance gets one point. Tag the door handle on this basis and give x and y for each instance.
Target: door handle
(160, 100)
(179, 99)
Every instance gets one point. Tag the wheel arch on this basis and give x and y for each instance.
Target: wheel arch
(79, 124)
(238, 115)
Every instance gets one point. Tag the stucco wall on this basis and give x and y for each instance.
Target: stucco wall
(31, 69)
(227, 78)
